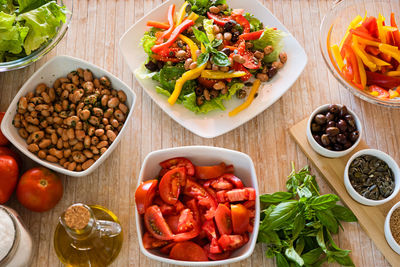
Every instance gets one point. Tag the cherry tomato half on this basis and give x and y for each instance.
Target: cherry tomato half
(233, 179)
(144, 195)
(178, 162)
(216, 257)
(171, 183)
(251, 61)
(188, 251)
(204, 198)
(156, 224)
(223, 219)
(186, 221)
(240, 218)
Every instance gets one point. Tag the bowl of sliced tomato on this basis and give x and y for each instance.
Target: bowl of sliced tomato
(197, 206)
(360, 43)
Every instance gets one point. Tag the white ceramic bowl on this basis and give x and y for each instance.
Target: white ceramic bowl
(326, 152)
(217, 122)
(392, 165)
(60, 66)
(202, 155)
(388, 233)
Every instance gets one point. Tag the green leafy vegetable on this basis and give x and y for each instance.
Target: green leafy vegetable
(202, 6)
(148, 42)
(271, 37)
(208, 27)
(297, 225)
(7, 6)
(26, 5)
(12, 35)
(255, 24)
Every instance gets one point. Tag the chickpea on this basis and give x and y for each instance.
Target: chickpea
(42, 154)
(77, 147)
(71, 134)
(214, 9)
(262, 77)
(91, 131)
(187, 63)
(99, 132)
(80, 135)
(104, 100)
(216, 29)
(277, 64)
(227, 36)
(121, 96)
(78, 157)
(37, 136)
(33, 148)
(98, 112)
(87, 164)
(181, 54)
(219, 85)
(94, 120)
(193, 65)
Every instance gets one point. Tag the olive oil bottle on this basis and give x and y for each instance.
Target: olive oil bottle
(87, 236)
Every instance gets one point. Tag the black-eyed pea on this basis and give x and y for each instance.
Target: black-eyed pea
(54, 138)
(84, 114)
(73, 142)
(78, 157)
(98, 112)
(123, 108)
(87, 164)
(58, 153)
(58, 120)
(105, 81)
(75, 79)
(37, 100)
(62, 161)
(42, 154)
(114, 92)
(57, 83)
(41, 107)
(104, 100)
(95, 150)
(58, 107)
(17, 120)
(33, 114)
(52, 94)
(33, 148)
(45, 113)
(95, 140)
(77, 95)
(32, 128)
(94, 120)
(103, 137)
(71, 134)
(109, 112)
(50, 130)
(78, 168)
(21, 111)
(113, 102)
(40, 89)
(51, 158)
(96, 83)
(64, 94)
(99, 132)
(105, 121)
(80, 72)
(79, 126)
(119, 115)
(24, 123)
(87, 75)
(50, 120)
(102, 144)
(23, 103)
(37, 136)
(103, 150)
(66, 144)
(32, 120)
(72, 121)
(105, 92)
(87, 141)
(30, 107)
(80, 135)
(64, 135)
(80, 106)
(78, 147)
(45, 143)
(96, 157)
(67, 153)
(91, 131)
(60, 143)
(29, 140)
(121, 96)
(29, 96)
(46, 97)
(111, 135)
(88, 154)
(44, 124)
(72, 166)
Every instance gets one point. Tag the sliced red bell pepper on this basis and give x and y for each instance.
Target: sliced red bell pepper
(348, 68)
(171, 12)
(240, 67)
(396, 34)
(174, 35)
(251, 35)
(363, 32)
(157, 24)
(372, 50)
(218, 19)
(371, 25)
(381, 80)
(382, 92)
(346, 42)
(239, 18)
(354, 64)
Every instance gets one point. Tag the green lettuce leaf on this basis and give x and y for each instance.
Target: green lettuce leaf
(162, 91)
(143, 73)
(208, 27)
(255, 24)
(270, 37)
(202, 6)
(148, 42)
(26, 5)
(11, 36)
(43, 23)
(7, 6)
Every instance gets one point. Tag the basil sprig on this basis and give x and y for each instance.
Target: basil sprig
(297, 225)
(217, 57)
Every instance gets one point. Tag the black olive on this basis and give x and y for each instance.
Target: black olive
(151, 66)
(337, 147)
(199, 91)
(343, 111)
(341, 138)
(229, 25)
(354, 136)
(315, 127)
(332, 131)
(347, 145)
(325, 140)
(235, 37)
(342, 125)
(226, 51)
(272, 71)
(160, 64)
(331, 124)
(333, 108)
(317, 138)
(330, 116)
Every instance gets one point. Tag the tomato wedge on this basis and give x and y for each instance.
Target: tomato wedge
(221, 184)
(149, 242)
(251, 61)
(209, 228)
(209, 83)
(172, 222)
(223, 219)
(192, 205)
(156, 224)
(167, 249)
(171, 183)
(210, 172)
(214, 247)
(240, 218)
(186, 221)
(231, 242)
(144, 195)
(178, 162)
(216, 257)
(205, 199)
(233, 179)
(188, 251)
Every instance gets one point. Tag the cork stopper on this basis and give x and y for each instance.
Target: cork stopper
(77, 217)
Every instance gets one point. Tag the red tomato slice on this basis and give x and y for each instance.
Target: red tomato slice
(223, 220)
(167, 249)
(221, 196)
(216, 257)
(240, 218)
(179, 162)
(156, 224)
(210, 172)
(205, 199)
(187, 235)
(144, 195)
(251, 61)
(221, 184)
(188, 251)
(236, 195)
(167, 209)
(214, 247)
(172, 222)
(231, 242)
(186, 221)
(171, 183)
(233, 179)
(209, 228)
(192, 205)
(149, 242)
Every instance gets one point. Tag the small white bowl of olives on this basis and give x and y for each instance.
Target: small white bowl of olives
(333, 130)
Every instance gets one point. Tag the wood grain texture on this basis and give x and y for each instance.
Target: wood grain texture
(93, 36)
(371, 219)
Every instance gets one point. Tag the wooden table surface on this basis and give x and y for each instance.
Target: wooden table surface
(95, 30)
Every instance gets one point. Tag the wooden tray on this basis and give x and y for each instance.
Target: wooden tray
(371, 219)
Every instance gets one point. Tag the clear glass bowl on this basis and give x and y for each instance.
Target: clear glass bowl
(45, 48)
(333, 28)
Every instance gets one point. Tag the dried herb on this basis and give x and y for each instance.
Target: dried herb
(371, 177)
(296, 225)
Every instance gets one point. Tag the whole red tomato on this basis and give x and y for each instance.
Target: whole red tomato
(39, 189)
(8, 177)
(3, 139)
(7, 151)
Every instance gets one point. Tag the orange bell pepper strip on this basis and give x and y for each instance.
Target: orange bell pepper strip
(171, 12)
(338, 57)
(396, 34)
(157, 24)
(363, 75)
(353, 60)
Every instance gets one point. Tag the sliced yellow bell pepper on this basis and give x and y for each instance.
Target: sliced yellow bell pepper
(361, 40)
(192, 46)
(393, 94)
(381, 30)
(377, 61)
(193, 16)
(374, 93)
(212, 74)
(352, 25)
(395, 54)
(361, 69)
(361, 53)
(181, 14)
(249, 99)
(390, 29)
(393, 73)
(189, 75)
(338, 57)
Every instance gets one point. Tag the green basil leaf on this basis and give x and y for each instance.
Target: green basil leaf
(338, 253)
(321, 240)
(304, 192)
(312, 256)
(220, 59)
(345, 261)
(343, 214)
(216, 42)
(269, 237)
(200, 36)
(203, 59)
(281, 215)
(327, 219)
(298, 225)
(281, 260)
(324, 202)
(291, 254)
(311, 184)
(276, 197)
(300, 244)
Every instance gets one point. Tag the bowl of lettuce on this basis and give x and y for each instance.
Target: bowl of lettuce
(29, 29)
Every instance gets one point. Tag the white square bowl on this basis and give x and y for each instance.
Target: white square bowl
(202, 155)
(217, 122)
(60, 66)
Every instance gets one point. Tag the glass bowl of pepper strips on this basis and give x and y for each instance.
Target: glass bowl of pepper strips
(360, 43)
